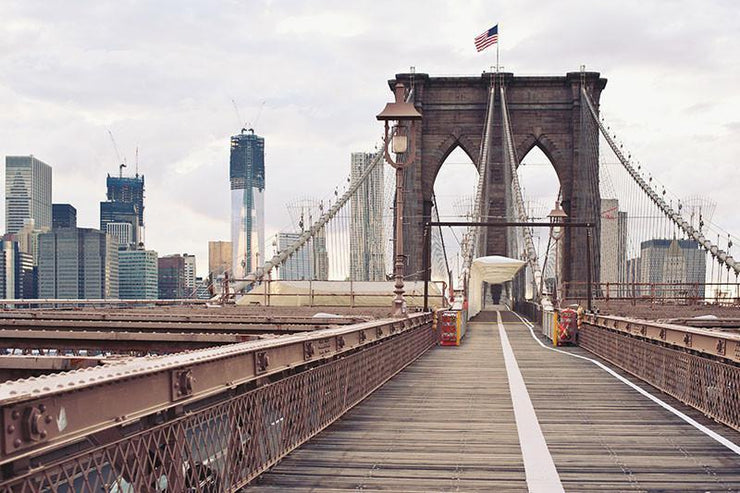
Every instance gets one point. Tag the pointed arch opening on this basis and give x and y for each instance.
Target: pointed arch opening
(454, 194)
(540, 189)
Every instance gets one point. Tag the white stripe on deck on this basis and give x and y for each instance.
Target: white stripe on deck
(539, 467)
(710, 433)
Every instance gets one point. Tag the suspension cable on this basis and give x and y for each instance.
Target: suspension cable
(518, 199)
(473, 239)
(259, 274)
(721, 256)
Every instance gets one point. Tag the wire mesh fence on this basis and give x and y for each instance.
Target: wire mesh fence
(224, 446)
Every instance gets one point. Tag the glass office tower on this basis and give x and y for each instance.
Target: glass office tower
(27, 193)
(247, 174)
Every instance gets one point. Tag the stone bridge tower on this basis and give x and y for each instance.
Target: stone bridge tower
(544, 112)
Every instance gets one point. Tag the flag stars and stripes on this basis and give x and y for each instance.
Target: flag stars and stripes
(486, 38)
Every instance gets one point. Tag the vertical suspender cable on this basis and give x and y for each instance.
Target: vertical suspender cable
(722, 257)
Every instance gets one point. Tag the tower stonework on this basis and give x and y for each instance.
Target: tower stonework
(545, 112)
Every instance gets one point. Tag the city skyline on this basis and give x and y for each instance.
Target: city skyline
(672, 102)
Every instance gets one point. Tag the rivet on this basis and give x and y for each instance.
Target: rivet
(11, 429)
(17, 442)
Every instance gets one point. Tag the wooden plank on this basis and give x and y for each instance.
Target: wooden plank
(446, 423)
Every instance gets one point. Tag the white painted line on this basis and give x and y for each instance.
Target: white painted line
(539, 467)
(712, 434)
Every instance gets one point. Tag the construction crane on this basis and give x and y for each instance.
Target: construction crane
(248, 125)
(118, 154)
(257, 118)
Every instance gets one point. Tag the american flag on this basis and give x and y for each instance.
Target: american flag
(486, 38)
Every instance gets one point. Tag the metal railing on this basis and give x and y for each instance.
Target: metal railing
(698, 367)
(205, 421)
(669, 293)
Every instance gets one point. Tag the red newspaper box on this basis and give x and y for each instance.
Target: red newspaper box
(451, 327)
(567, 326)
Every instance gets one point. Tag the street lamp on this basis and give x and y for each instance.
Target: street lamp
(402, 141)
(557, 218)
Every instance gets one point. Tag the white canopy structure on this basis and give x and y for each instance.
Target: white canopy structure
(493, 270)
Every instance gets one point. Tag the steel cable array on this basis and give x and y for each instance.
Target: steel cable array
(722, 257)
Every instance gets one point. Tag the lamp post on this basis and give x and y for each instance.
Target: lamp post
(557, 217)
(401, 139)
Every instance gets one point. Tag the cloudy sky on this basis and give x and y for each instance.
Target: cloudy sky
(162, 76)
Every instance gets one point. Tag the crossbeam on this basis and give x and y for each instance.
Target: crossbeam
(81, 400)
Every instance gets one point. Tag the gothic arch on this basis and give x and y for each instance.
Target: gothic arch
(549, 148)
(544, 112)
(444, 149)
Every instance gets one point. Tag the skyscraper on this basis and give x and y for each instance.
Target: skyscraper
(300, 265)
(219, 258)
(367, 248)
(682, 262)
(125, 205)
(123, 233)
(138, 275)
(77, 263)
(27, 192)
(63, 216)
(17, 273)
(247, 174)
(314, 256)
(189, 273)
(171, 283)
(28, 239)
(613, 243)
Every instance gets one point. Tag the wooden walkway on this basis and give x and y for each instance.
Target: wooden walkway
(447, 423)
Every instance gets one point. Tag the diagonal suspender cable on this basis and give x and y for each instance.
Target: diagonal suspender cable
(721, 256)
(521, 211)
(259, 273)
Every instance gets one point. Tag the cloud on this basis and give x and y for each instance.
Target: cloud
(324, 24)
(161, 76)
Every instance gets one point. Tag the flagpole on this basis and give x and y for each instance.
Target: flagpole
(498, 40)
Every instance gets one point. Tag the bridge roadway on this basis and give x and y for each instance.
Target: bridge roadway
(456, 420)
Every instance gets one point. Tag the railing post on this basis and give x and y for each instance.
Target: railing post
(589, 274)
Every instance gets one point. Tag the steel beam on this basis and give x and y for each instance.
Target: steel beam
(43, 413)
(159, 326)
(166, 316)
(114, 341)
